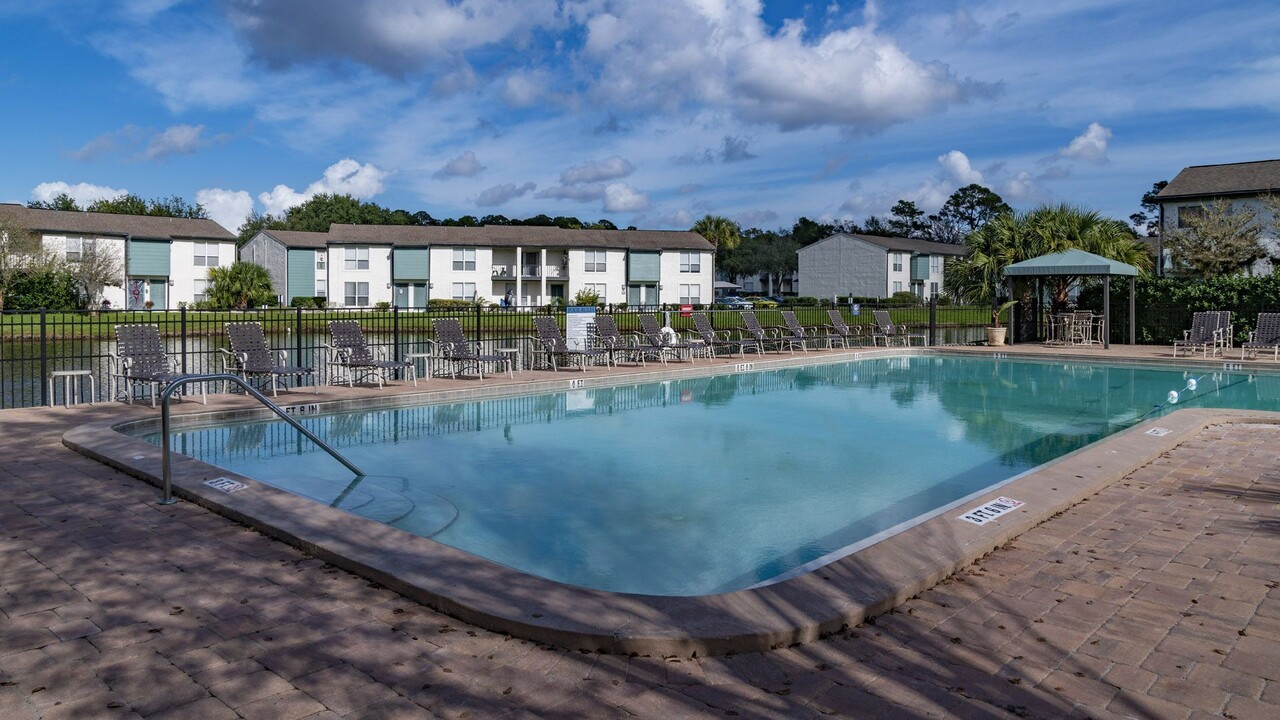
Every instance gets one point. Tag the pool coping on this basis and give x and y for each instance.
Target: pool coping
(825, 600)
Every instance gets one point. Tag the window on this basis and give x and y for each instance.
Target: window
(690, 262)
(690, 294)
(1189, 213)
(933, 289)
(200, 290)
(598, 289)
(897, 263)
(464, 291)
(935, 264)
(357, 293)
(596, 262)
(356, 258)
(897, 286)
(322, 257)
(77, 247)
(204, 254)
(465, 259)
(322, 287)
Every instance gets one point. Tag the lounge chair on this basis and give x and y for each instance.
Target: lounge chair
(1210, 330)
(251, 357)
(608, 337)
(1265, 336)
(812, 333)
(453, 348)
(775, 336)
(841, 329)
(554, 346)
(886, 329)
(140, 360)
(714, 339)
(671, 345)
(351, 360)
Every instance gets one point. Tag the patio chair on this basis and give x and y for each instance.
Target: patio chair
(453, 348)
(608, 337)
(251, 357)
(554, 346)
(841, 329)
(714, 339)
(1265, 336)
(778, 337)
(141, 361)
(1207, 333)
(885, 328)
(351, 360)
(671, 345)
(811, 333)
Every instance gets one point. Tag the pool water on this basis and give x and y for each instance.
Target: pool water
(707, 485)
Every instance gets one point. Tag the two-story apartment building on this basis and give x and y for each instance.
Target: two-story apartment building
(408, 265)
(873, 266)
(161, 260)
(1243, 184)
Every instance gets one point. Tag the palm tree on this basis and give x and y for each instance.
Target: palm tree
(719, 231)
(240, 285)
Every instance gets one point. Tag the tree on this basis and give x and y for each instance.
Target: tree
(1219, 238)
(876, 226)
(97, 268)
(321, 211)
(720, 231)
(256, 223)
(21, 253)
(61, 201)
(1148, 220)
(807, 232)
(967, 210)
(172, 206)
(908, 220)
(50, 288)
(240, 285)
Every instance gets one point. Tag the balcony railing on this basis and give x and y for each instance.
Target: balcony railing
(530, 271)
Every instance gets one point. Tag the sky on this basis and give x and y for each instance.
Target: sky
(651, 113)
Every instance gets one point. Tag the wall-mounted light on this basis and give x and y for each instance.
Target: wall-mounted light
(170, 283)
(388, 286)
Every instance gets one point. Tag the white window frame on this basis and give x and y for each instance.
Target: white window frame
(897, 286)
(322, 287)
(897, 262)
(355, 258)
(595, 261)
(464, 259)
(354, 292)
(599, 289)
(690, 262)
(935, 264)
(464, 290)
(322, 259)
(199, 289)
(691, 294)
(79, 245)
(200, 256)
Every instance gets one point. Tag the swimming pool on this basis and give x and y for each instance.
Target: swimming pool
(706, 485)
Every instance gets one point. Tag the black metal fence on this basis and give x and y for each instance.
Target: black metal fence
(35, 345)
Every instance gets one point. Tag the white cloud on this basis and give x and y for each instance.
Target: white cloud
(621, 197)
(1024, 188)
(1090, 146)
(228, 208)
(107, 143)
(83, 193)
(523, 89)
(202, 66)
(345, 177)
(500, 194)
(608, 169)
(465, 165)
(176, 140)
(956, 168)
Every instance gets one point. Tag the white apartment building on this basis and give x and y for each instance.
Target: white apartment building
(164, 261)
(409, 265)
(1242, 184)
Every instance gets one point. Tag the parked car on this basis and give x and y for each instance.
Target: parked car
(764, 302)
(733, 302)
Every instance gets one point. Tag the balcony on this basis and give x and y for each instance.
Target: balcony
(530, 272)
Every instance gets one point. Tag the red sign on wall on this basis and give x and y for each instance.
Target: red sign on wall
(686, 310)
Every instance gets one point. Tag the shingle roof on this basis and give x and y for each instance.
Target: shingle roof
(902, 244)
(513, 235)
(138, 226)
(1244, 178)
(299, 238)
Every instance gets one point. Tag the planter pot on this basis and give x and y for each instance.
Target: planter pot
(995, 335)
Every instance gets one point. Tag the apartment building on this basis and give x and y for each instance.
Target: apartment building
(873, 266)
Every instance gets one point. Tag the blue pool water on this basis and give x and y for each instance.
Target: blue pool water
(707, 485)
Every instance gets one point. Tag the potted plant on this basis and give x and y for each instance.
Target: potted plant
(996, 333)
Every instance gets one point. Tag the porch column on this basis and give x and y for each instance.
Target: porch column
(519, 277)
(542, 273)
(1106, 312)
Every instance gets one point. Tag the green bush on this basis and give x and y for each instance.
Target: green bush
(384, 305)
(302, 302)
(450, 302)
(1165, 305)
(52, 290)
(904, 297)
(586, 297)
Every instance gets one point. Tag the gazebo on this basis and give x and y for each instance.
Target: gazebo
(1079, 262)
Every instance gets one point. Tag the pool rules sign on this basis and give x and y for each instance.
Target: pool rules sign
(984, 514)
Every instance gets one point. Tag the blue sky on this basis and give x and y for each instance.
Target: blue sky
(648, 113)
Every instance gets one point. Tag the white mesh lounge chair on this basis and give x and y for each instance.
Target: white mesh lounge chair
(1265, 336)
(720, 339)
(842, 329)
(608, 337)
(251, 357)
(811, 333)
(351, 360)
(453, 349)
(141, 361)
(672, 346)
(776, 336)
(891, 333)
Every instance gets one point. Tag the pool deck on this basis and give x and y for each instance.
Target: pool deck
(1154, 597)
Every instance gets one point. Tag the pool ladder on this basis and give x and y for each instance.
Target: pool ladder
(165, 470)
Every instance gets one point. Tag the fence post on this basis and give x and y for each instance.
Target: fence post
(297, 335)
(933, 320)
(44, 359)
(182, 327)
(395, 330)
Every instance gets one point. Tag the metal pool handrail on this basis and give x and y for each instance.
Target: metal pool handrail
(171, 388)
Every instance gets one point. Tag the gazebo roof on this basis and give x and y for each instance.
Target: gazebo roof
(1071, 262)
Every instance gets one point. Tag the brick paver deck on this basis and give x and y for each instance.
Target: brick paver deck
(1156, 598)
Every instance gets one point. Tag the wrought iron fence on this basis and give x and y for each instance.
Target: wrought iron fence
(34, 345)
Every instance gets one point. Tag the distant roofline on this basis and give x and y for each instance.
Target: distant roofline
(1242, 162)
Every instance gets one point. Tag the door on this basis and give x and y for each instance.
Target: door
(557, 291)
(419, 296)
(158, 297)
(642, 295)
(401, 298)
(136, 294)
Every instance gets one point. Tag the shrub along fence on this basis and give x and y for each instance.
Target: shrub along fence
(33, 345)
